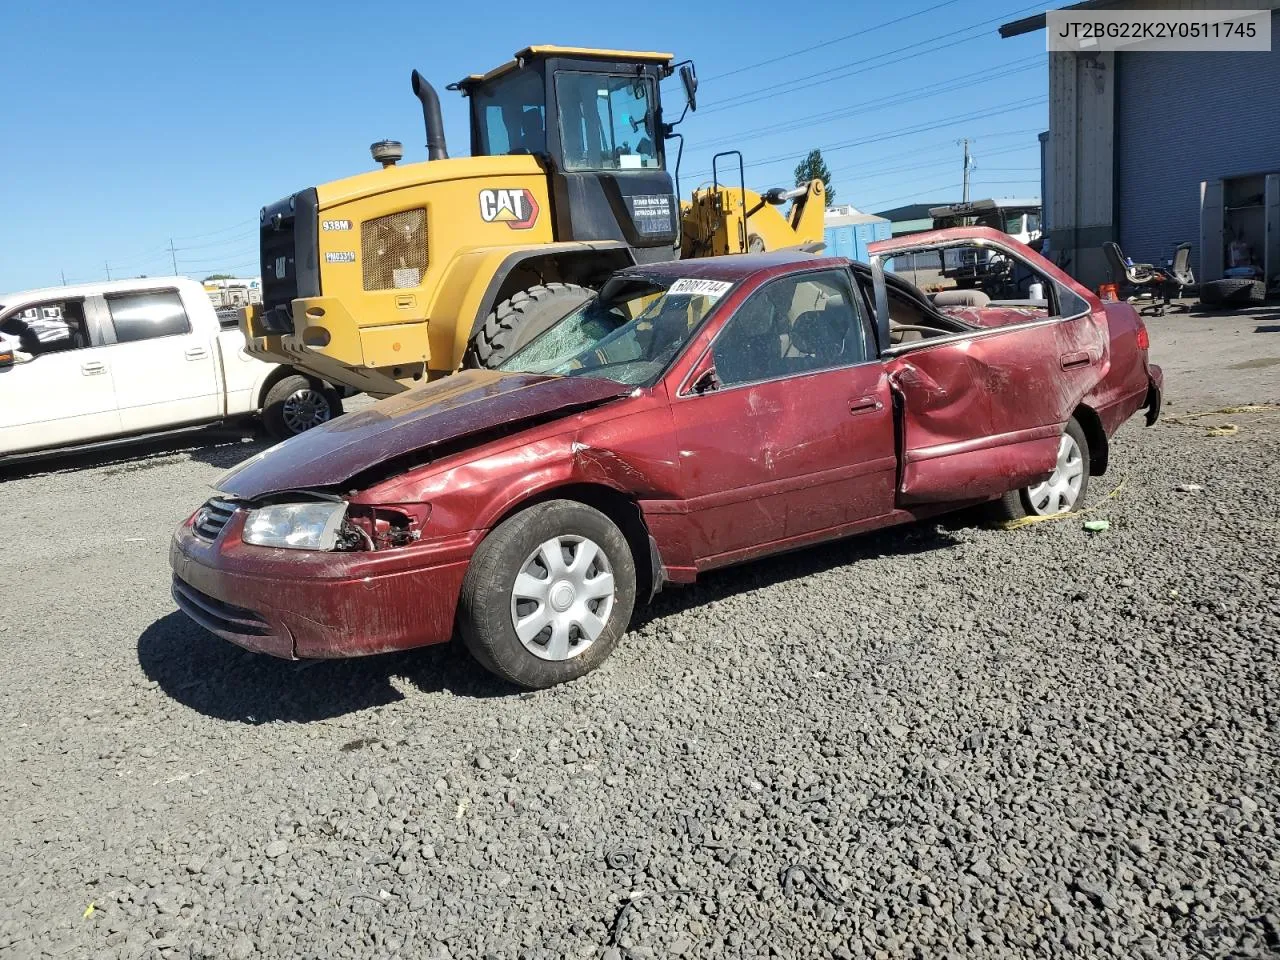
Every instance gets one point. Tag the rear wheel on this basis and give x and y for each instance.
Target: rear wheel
(548, 594)
(1064, 490)
(517, 320)
(295, 404)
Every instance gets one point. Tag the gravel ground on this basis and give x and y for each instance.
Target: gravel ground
(939, 741)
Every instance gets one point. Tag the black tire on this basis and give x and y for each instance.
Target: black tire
(1017, 504)
(281, 421)
(1233, 292)
(517, 320)
(485, 606)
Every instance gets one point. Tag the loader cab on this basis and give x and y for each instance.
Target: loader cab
(594, 119)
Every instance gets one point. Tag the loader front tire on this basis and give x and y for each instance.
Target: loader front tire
(517, 320)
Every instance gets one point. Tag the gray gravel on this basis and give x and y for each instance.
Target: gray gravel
(940, 741)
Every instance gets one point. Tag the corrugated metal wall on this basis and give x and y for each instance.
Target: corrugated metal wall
(1182, 118)
(1080, 161)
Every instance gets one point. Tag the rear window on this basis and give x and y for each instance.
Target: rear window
(144, 316)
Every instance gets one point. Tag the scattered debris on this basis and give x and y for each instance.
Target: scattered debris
(1029, 520)
(1188, 488)
(1096, 526)
(620, 859)
(90, 910)
(358, 744)
(793, 873)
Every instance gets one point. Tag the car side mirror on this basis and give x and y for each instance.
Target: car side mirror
(690, 81)
(707, 381)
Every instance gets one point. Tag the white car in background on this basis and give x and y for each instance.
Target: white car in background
(100, 361)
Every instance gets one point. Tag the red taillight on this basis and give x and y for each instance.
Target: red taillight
(1144, 340)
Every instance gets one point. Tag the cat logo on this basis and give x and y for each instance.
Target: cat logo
(516, 208)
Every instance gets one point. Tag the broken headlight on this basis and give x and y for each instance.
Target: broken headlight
(295, 526)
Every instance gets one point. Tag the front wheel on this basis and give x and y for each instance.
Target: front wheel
(295, 404)
(548, 594)
(520, 318)
(1064, 490)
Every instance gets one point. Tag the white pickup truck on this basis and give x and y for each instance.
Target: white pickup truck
(100, 361)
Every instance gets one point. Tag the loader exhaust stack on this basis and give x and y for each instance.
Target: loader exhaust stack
(436, 149)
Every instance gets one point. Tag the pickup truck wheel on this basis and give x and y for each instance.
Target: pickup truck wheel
(516, 321)
(548, 594)
(295, 404)
(1065, 489)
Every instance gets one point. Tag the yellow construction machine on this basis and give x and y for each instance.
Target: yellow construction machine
(409, 272)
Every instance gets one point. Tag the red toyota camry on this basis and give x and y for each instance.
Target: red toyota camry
(695, 414)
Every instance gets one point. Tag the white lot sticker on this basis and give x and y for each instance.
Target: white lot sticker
(715, 289)
(341, 256)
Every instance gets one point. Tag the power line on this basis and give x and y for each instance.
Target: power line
(901, 132)
(940, 187)
(801, 83)
(876, 172)
(236, 226)
(827, 43)
(938, 149)
(905, 96)
(221, 243)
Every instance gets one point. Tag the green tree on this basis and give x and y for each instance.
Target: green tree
(813, 167)
(219, 276)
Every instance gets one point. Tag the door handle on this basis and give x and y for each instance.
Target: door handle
(196, 353)
(93, 367)
(1072, 360)
(865, 405)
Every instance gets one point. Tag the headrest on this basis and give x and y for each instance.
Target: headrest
(819, 334)
(960, 298)
(754, 321)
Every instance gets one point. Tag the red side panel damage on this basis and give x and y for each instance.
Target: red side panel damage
(982, 416)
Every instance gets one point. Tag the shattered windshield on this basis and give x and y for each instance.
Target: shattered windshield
(630, 333)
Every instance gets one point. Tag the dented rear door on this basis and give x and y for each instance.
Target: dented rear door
(981, 413)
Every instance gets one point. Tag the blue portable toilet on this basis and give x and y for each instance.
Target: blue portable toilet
(848, 232)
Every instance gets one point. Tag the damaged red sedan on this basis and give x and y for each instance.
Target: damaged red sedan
(694, 415)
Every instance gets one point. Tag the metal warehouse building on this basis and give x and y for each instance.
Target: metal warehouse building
(1139, 142)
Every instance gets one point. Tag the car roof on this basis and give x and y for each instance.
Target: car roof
(739, 266)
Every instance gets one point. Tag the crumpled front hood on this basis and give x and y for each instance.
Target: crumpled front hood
(452, 408)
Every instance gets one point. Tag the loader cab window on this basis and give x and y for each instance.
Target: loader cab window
(607, 122)
(510, 115)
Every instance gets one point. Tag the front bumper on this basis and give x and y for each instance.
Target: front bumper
(302, 604)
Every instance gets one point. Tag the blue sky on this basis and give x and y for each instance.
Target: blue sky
(128, 124)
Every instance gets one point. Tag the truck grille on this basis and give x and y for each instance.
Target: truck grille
(213, 516)
(393, 250)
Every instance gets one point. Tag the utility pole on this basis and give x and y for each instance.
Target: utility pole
(964, 142)
(63, 274)
(108, 266)
(173, 256)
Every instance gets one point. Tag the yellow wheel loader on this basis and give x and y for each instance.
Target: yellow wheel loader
(411, 271)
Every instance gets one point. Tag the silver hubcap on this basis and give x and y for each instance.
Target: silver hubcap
(1060, 492)
(305, 409)
(562, 598)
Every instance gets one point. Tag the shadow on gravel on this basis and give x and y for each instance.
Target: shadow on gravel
(219, 446)
(220, 680)
(1267, 328)
(924, 537)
